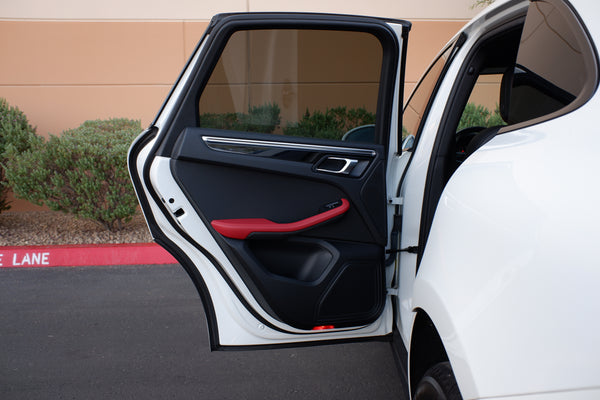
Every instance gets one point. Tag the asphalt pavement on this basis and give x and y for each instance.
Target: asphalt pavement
(139, 332)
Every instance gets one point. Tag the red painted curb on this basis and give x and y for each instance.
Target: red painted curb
(83, 255)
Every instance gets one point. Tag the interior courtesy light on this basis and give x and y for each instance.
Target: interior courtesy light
(323, 327)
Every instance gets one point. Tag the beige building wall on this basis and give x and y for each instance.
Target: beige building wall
(68, 61)
(204, 10)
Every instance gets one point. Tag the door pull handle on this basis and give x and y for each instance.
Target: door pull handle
(337, 165)
(242, 228)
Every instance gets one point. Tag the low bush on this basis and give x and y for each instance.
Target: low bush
(83, 172)
(16, 136)
(331, 124)
(262, 119)
(478, 115)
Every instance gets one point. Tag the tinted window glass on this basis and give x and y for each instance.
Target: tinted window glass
(483, 107)
(314, 83)
(555, 63)
(415, 109)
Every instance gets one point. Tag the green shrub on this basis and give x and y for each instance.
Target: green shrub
(331, 124)
(262, 119)
(478, 115)
(16, 136)
(83, 172)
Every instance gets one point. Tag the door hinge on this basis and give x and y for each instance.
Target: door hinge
(393, 291)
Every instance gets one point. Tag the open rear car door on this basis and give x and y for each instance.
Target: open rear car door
(266, 175)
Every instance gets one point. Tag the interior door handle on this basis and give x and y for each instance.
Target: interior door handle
(337, 165)
(242, 228)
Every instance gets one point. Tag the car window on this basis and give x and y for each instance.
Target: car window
(555, 64)
(416, 107)
(311, 83)
(483, 107)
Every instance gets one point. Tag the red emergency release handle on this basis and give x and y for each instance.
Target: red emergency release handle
(242, 228)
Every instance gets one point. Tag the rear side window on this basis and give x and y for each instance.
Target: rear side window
(298, 82)
(483, 107)
(556, 64)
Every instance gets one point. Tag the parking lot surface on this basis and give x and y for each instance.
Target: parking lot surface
(139, 332)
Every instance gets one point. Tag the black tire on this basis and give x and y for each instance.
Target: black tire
(438, 383)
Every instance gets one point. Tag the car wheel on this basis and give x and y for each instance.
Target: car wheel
(438, 383)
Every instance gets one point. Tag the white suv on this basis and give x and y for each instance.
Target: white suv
(310, 204)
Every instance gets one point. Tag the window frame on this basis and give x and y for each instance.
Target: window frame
(223, 26)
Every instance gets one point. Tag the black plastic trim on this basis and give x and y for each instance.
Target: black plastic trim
(402, 85)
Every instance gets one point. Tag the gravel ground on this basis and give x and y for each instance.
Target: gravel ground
(30, 228)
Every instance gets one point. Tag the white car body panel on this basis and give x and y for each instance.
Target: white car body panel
(509, 275)
(511, 262)
(583, 394)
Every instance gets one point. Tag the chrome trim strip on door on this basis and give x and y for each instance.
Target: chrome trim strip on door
(248, 146)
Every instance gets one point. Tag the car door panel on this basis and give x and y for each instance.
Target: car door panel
(284, 236)
(323, 265)
(283, 190)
